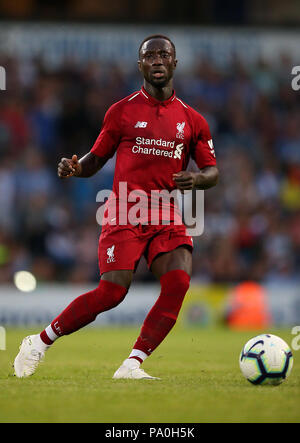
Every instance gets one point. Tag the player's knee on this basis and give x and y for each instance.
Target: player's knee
(121, 277)
(110, 295)
(116, 299)
(174, 288)
(175, 282)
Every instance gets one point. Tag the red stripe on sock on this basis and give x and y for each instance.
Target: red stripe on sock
(44, 337)
(138, 359)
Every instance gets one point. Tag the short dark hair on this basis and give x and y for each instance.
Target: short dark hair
(157, 36)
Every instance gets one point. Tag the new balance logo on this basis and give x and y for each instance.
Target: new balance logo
(141, 124)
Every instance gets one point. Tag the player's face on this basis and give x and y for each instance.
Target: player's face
(157, 62)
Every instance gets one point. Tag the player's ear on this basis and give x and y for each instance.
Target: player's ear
(175, 63)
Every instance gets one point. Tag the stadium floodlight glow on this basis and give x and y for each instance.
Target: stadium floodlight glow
(25, 281)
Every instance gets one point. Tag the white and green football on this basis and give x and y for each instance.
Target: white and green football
(266, 359)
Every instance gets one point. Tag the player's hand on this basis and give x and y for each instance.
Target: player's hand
(185, 180)
(68, 167)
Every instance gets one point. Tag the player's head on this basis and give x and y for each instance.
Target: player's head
(157, 60)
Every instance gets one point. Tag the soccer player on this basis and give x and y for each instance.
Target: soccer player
(154, 134)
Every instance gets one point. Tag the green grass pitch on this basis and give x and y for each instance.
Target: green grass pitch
(200, 381)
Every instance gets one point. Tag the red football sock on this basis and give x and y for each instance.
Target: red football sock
(85, 308)
(163, 315)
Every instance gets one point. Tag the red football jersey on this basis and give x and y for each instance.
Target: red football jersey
(153, 140)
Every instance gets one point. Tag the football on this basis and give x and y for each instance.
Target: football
(266, 359)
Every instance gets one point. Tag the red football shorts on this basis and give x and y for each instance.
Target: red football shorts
(121, 247)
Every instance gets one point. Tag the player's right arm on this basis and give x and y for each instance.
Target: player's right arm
(103, 149)
(85, 167)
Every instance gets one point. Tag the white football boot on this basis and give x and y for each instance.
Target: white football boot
(32, 352)
(130, 369)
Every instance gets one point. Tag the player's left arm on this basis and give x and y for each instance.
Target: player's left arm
(203, 154)
(203, 179)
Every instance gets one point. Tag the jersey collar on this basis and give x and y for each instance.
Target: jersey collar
(154, 101)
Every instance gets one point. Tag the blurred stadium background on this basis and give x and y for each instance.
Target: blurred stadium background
(66, 63)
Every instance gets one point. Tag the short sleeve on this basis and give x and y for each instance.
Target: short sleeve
(203, 151)
(110, 134)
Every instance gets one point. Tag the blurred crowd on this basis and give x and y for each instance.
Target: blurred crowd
(252, 217)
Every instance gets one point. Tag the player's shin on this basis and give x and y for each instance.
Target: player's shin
(163, 315)
(83, 310)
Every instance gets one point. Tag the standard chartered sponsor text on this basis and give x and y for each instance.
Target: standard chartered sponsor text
(148, 146)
